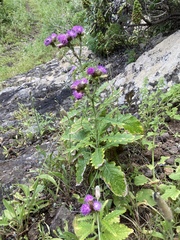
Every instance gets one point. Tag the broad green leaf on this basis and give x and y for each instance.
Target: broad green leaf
(4, 222)
(118, 232)
(145, 195)
(113, 217)
(127, 122)
(48, 178)
(84, 228)
(171, 192)
(119, 138)
(140, 180)
(176, 175)
(9, 215)
(84, 143)
(80, 168)
(97, 158)
(114, 178)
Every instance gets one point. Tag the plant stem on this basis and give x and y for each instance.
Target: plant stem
(99, 229)
(95, 122)
(153, 163)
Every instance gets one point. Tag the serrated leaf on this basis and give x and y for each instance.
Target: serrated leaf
(171, 192)
(113, 217)
(84, 228)
(114, 178)
(140, 180)
(120, 139)
(127, 122)
(97, 158)
(80, 168)
(118, 232)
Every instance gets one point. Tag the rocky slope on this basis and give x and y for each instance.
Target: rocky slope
(46, 88)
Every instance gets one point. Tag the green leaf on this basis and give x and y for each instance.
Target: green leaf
(140, 180)
(145, 195)
(4, 222)
(83, 227)
(120, 138)
(171, 192)
(114, 178)
(118, 232)
(25, 189)
(80, 168)
(127, 122)
(48, 178)
(157, 235)
(97, 158)
(176, 175)
(9, 212)
(113, 217)
(102, 88)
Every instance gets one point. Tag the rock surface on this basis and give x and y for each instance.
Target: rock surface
(163, 61)
(46, 88)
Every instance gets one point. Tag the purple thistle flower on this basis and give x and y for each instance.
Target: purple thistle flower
(63, 38)
(53, 36)
(85, 209)
(96, 205)
(75, 84)
(71, 34)
(88, 198)
(48, 41)
(91, 71)
(78, 29)
(102, 69)
(77, 95)
(84, 81)
(79, 84)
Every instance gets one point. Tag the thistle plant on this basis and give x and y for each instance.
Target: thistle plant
(94, 125)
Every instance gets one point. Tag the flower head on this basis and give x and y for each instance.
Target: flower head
(75, 84)
(78, 29)
(53, 36)
(77, 95)
(71, 34)
(85, 209)
(79, 84)
(88, 198)
(63, 38)
(98, 71)
(102, 69)
(91, 71)
(96, 205)
(48, 41)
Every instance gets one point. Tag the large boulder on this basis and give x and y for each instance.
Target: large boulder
(163, 61)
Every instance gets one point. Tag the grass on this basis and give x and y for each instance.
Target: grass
(24, 25)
